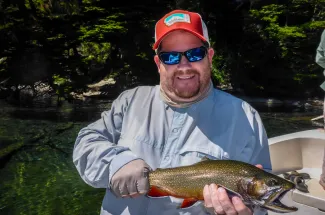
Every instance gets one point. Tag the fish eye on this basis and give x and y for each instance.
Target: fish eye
(271, 182)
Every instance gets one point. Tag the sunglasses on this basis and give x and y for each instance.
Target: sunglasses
(192, 55)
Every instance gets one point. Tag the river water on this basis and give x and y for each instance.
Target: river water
(37, 175)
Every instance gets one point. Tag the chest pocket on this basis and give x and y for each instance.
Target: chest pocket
(190, 154)
(145, 148)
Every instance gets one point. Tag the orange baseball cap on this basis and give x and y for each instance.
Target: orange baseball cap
(180, 20)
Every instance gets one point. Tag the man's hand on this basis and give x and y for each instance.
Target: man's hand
(130, 180)
(216, 200)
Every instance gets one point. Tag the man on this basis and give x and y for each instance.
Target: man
(173, 124)
(322, 176)
(320, 60)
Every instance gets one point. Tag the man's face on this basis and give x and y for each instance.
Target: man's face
(185, 81)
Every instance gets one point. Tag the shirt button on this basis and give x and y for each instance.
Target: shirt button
(167, 157)
(175, 130)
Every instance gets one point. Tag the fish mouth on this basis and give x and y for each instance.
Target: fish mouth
(274, 201)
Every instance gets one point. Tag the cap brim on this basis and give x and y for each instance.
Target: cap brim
(157, 43)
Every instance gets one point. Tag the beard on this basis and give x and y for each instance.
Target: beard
(186, 88)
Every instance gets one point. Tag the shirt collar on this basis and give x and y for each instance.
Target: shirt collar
(194, 106)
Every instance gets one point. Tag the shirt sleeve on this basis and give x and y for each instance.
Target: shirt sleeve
(320, 51)
(256, 148)
(96, 154)
(261, 154)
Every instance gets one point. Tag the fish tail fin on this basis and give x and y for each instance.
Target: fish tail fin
(188, 202)
(156, 192)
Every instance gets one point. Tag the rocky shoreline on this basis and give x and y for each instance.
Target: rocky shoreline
(42, 95)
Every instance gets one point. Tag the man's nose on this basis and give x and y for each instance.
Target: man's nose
(184, 62)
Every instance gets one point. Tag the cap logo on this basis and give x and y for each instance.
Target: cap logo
(177, 17)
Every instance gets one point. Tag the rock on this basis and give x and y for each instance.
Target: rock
(37, 95)
(109, 81)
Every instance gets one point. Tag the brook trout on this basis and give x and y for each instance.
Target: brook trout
(254, 186)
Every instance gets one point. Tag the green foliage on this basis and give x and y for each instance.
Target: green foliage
(6, 26)
(99, 31)
(313, 25)
(60, 81)
(258, 43)
(291, 32)
(56, 37)
(282, 33)
(3, 64)
(95, 52)
(62, 85)
(219, 73)
(268, 13)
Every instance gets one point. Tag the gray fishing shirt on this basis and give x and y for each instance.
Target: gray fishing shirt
(140, 125)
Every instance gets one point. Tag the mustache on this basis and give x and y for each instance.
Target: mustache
(187, 72)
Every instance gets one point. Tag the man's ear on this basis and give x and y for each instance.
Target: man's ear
(210, 54)
(157, 61)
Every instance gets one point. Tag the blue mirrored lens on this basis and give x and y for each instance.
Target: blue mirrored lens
(195, 54)
(192, 55)
(170, 58)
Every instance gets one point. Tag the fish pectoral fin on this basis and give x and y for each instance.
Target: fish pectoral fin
(156, 192)
(188, 202)
(242, 189)
(231, 193)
